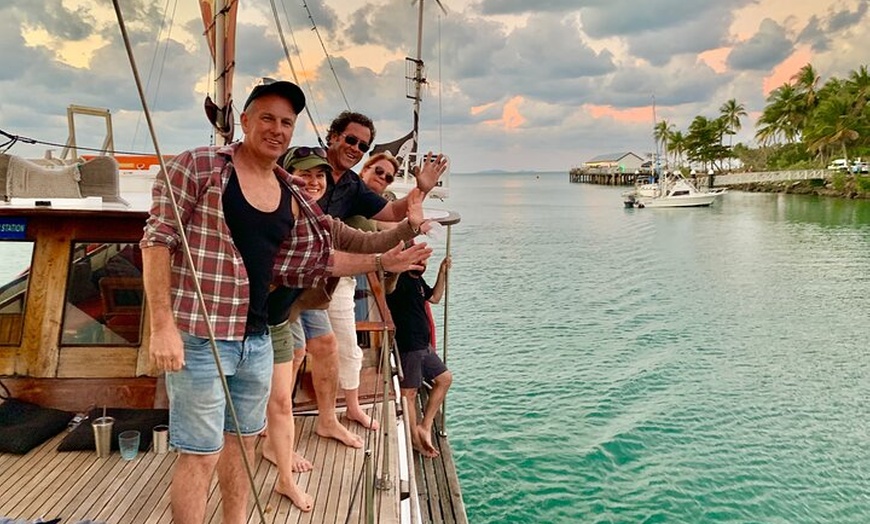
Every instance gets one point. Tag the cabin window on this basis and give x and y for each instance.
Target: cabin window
(15, 260)
(104, 295)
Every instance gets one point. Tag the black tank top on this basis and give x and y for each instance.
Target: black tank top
(257, 236)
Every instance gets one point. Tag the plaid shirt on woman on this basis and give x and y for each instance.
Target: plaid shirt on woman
(198, 177)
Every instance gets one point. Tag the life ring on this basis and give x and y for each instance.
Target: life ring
(140, 166)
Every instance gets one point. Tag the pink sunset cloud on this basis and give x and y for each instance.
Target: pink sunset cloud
(633, 115)
(786, 69)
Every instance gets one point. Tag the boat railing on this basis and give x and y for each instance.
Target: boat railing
(377, 477)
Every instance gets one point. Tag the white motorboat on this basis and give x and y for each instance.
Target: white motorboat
(676, 191)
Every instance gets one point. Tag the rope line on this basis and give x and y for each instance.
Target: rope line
(328, 57)
(290, 63)
(33, 141)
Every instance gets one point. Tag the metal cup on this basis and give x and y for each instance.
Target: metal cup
(160, 439)
(103, 435)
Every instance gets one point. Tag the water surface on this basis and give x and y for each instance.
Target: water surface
(658, 365)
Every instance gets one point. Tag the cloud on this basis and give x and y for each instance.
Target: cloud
(513, 7)
(626, 18)
(814, 35)
(820, 32)
(708, 30)
(845, 19)
(53, 17)
(572, 78)
(768, 47)
(685, 81)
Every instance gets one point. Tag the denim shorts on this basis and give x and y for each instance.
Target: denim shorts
(198, 411)
(287, 337)
(419, 365)
(315, 322)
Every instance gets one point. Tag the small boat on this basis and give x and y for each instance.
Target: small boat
(675, 191)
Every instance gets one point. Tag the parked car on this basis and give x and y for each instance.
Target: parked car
(856, 166)
(860, 167)
(838, 164)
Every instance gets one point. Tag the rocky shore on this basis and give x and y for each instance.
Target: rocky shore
(845, 188)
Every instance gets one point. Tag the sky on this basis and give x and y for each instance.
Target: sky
(511, 84)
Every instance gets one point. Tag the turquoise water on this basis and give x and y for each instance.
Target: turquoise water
(658, 365)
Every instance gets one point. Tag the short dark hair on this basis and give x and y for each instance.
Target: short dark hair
(345, 118)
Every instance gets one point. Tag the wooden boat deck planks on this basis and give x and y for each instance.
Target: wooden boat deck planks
(77, 485)
(437, 483)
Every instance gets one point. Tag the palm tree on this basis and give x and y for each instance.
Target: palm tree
(677, 144)
(858, 87)
(805, 82)
(661, 133)
(834, 125)
(783, 116)
(732, 112)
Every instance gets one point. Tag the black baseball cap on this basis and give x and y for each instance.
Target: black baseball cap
(288, 90)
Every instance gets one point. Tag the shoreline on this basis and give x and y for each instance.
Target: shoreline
(825, 188)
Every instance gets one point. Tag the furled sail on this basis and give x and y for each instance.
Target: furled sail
(219, 19)
(402, 148)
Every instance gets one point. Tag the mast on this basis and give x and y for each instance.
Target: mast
(220, 60)
(219, 19)
(418, 83)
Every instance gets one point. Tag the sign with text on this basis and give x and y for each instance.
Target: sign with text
(13, 228)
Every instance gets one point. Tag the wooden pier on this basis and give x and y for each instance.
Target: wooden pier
(603, 177)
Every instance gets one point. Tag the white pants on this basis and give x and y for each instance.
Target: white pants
(343, 320)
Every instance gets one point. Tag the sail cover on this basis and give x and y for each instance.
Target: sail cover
(401, 148)
(220, 112)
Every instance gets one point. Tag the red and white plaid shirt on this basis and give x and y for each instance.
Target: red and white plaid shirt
(198, 178)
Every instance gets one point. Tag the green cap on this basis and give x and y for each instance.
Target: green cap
(303, 158)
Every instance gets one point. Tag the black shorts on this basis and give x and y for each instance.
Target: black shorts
(420, 365)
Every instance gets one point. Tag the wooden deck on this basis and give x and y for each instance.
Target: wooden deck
(437, 482)
(76, 485)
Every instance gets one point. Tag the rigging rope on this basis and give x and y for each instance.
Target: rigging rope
(189, 259)
(154, 61)
(13, 139)
(290, 63)
(312, 101)
(328, 57)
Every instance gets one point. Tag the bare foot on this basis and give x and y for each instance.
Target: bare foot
(338, 432)
(299, 498)
(363, 419)
(301, 464)
(423, 443)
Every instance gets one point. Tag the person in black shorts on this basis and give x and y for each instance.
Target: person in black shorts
(407, 295)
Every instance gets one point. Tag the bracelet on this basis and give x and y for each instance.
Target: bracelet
(379, 265)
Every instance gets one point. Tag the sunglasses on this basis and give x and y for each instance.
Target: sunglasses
(382, 173)
(305, 151)
(354, 141)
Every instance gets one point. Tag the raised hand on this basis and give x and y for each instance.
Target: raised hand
(415, 208)
(432, 169)
(398, 260)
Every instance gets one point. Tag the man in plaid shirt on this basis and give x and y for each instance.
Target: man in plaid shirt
(248, 225)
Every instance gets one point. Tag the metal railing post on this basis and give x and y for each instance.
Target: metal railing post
(444, 331)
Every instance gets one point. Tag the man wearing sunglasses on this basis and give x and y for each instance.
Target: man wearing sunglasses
(349, 137)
